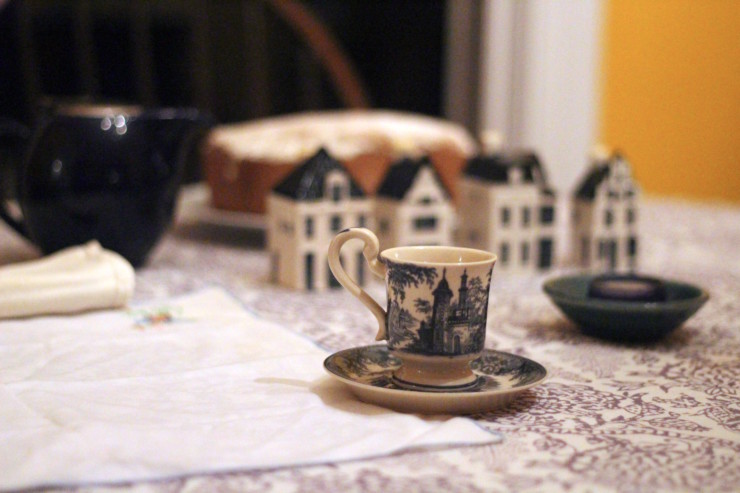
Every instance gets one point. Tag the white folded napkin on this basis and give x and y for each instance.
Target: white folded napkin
(75, 279)
(190, 385)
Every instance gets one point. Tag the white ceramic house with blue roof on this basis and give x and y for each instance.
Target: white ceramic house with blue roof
(412, 206)
(305, 211)
(506, 206)
(604, 223)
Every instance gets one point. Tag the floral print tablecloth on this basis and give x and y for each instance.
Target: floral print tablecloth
(611, 417)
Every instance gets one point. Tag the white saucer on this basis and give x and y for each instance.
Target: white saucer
(367, 370)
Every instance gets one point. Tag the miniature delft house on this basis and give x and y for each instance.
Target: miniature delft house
(305, 211)
(412, 206)
(604, 224)
(507, 207)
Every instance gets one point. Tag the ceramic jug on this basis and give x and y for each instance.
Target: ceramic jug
(105, 173)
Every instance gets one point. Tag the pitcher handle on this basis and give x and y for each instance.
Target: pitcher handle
(370, 252)
(20, 135)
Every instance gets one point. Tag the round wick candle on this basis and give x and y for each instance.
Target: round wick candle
(629, 287)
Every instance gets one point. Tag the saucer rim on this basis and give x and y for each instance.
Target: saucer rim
(435, 395)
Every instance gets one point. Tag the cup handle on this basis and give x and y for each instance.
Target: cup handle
(19, 136)
(370, 252)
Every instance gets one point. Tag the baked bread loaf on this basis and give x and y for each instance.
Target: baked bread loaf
(243, 162)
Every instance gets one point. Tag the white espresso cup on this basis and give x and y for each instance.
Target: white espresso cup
(437, 304)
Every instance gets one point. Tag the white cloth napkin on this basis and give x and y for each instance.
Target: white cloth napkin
(75, 279)
(189, 385)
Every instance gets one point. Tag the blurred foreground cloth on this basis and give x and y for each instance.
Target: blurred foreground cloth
(188, 385)
(76, 279)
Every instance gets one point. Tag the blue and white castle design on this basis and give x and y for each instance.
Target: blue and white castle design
(449, 331)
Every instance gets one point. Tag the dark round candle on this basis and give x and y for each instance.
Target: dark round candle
(627, 287)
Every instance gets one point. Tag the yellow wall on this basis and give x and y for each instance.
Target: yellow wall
(671, 94)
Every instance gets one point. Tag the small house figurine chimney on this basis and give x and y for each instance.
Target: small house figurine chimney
(491, 142)
(515, 175)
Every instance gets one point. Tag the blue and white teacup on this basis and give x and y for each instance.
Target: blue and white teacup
(437, 304)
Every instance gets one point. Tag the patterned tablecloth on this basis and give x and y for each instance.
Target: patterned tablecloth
(611, 417)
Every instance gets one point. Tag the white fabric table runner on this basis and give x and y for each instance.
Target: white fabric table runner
(187, 385)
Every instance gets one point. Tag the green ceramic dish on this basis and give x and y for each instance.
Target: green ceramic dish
(624, 320)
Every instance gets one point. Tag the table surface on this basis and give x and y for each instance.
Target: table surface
(611, 417)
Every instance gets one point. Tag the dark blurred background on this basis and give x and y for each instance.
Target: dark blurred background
(237, 59)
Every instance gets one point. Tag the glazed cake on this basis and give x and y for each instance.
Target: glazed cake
(242, 162)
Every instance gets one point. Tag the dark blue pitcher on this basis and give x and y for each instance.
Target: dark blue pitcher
(100, 172)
